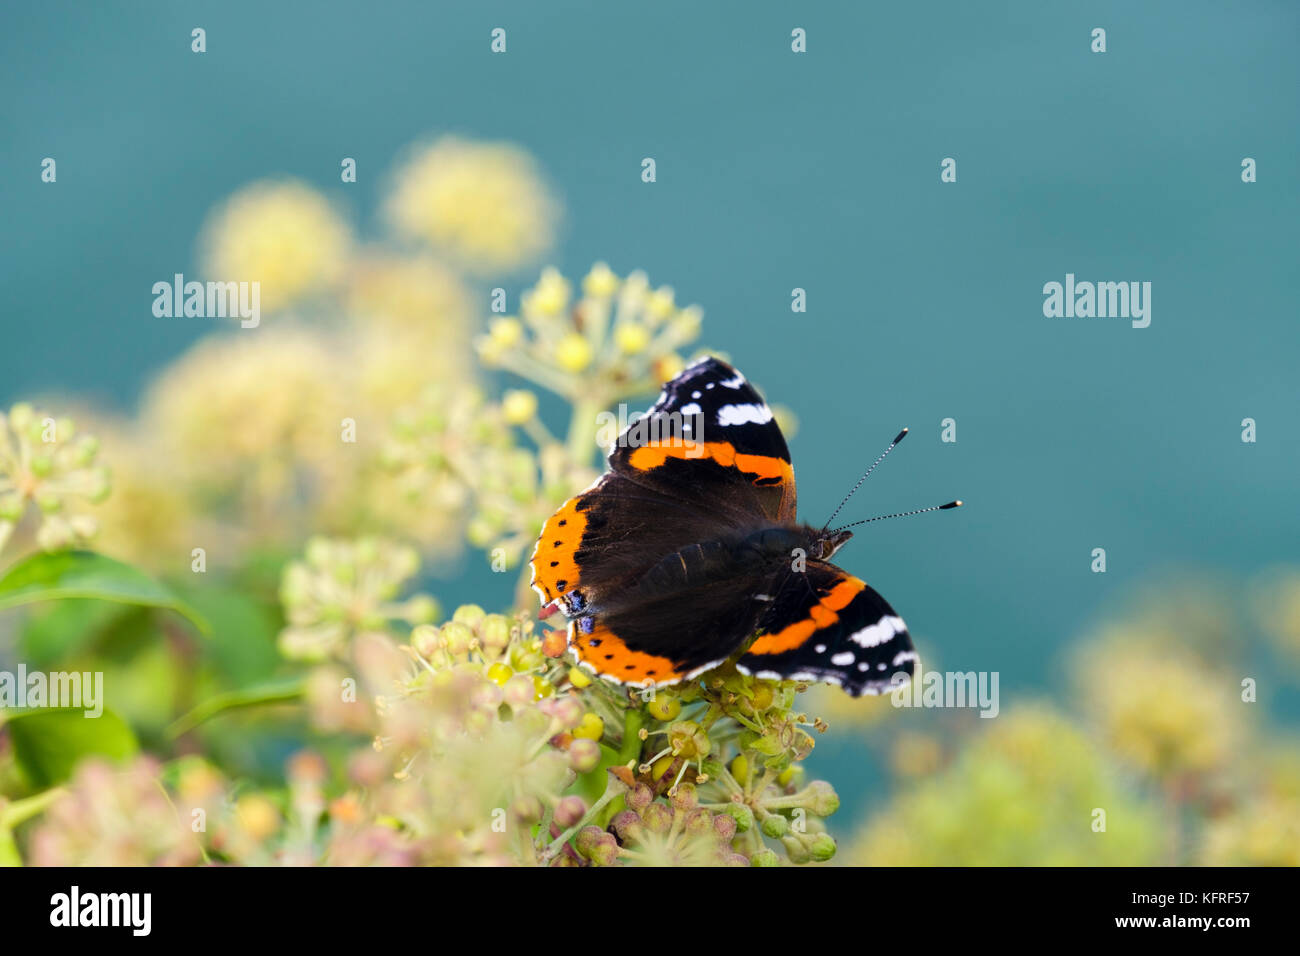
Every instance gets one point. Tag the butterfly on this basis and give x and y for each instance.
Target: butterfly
(687, 553)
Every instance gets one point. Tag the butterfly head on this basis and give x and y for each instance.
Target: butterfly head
(827, 543)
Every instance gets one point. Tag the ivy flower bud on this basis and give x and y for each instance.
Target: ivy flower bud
(584, 755)
(494, 633)
(569, 811)
(698, 822)
(587, 839)
(600, 282)
(664, 707)
(573, 353)
(631, 338)
(458, 638)
(566, 711)
(820, 798)
(471, 615)
(821, 847)
(527, 808)
(657, 818)
(628, 826)
(591, 726)
(426, 641)
(519, 406)
(639, 797)
(743, 816)
(506, 332)
(724, 827)
(685, 798)
(519, 691)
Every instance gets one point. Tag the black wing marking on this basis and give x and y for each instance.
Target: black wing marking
(710, 438)
(826, 625)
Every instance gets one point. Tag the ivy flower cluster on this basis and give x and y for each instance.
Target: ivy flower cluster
(488, 745)
(343, 588)
(44, 462)
(619, 339)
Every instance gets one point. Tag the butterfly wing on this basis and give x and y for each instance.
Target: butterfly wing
(826, 625)
(640, 562)
(711, 439)
(655, 589)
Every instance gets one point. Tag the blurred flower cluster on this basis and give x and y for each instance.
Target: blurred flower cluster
(1161, 759)
(114, 816)
(620, 338)
(44, 463)
(483, 204)
(482, 747)
(487, 745)
(258, 437)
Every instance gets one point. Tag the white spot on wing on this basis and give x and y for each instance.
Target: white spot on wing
(744, 414)
(878, 633)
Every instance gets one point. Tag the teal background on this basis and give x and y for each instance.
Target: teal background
(775, 170)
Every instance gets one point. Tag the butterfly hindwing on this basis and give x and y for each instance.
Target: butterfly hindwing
(826, 625)
(655, 589)
(652, 637)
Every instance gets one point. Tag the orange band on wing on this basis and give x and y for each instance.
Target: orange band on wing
(648, 457)
(554, 569)
(822, 614)
(605, 652)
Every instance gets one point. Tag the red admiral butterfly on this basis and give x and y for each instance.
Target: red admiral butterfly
(687, 548)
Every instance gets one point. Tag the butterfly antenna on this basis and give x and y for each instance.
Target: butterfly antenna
(903, 514)
(897, 438)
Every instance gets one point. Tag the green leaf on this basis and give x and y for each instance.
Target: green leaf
(84, 574)
(241, 645)
(275, 692)
(49, 743)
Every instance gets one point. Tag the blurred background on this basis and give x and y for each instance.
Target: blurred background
(820, 171)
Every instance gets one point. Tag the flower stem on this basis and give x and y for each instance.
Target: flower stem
(612, 789)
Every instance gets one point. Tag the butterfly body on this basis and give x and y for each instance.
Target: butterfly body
(688, 553)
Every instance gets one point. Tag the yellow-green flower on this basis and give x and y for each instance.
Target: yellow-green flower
(1276, 601)
(483, 204)
(284, 235)
(416, 295)
(1163, 711)
(1260, 833)
(255, 420)
(1031, 791)
(44, 462)
(619, 340)
(343, 588)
